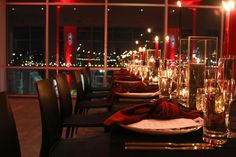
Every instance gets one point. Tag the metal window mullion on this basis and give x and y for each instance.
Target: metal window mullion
(165, 27)
(222, 33)
(105, 41)
(47, 38)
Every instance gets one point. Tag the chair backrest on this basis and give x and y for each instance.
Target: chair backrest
(9, 142)
(66, 106)
(87, 79)
(50, 117)
(79, 86)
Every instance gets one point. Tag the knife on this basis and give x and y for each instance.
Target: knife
(168, 146)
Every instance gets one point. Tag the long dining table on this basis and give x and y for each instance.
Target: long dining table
(127, 143)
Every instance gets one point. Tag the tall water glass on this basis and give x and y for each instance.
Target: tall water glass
(227, 71)
(214, 112)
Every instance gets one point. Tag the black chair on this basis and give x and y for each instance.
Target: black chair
(88, 80)
(9, 142)
(68, 118)
(82, 104)
(52, 143)
(88, 93)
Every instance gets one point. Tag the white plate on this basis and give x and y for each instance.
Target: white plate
(165, 127)
(138, 95)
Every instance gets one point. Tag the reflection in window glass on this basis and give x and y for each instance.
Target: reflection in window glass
(26, 36)
(195, 21)
(21, 81)
(131, 28)
(76, 36)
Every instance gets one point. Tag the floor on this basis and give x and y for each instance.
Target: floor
(27, 117)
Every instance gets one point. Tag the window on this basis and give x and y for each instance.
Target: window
(76, 36)
(128, 30)
(81, 33)
(26, 36)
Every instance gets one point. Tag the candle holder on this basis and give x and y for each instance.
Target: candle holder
(197, 55)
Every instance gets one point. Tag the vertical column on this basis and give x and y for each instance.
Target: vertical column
(166, 28)
(105, 41)
(221, 33)
(3, 45)
(47, 39)
(232, 33)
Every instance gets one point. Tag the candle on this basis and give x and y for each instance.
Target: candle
(157, 46)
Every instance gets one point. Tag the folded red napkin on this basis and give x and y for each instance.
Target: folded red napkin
(160, 109)
(121, 72)
(131, 77)
(139, 87)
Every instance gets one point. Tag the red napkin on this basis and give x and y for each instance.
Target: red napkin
(139, 87)
(160, 109)
(121, 72)
(131, 77)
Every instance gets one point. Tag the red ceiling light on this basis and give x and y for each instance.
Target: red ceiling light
(228, 5)
(179, 3)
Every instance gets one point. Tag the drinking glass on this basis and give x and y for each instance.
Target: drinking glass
(165, 86)
(214, 112)
(200, 97)
(227, 71)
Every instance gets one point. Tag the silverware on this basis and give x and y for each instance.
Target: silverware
(167, 146)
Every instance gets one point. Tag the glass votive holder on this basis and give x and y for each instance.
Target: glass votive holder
(200, 97)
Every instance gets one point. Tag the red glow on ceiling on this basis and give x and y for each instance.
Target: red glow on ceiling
(66, 1)
(190, 2)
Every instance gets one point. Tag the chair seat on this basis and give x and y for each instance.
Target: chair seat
(89, 120)
(97, 146)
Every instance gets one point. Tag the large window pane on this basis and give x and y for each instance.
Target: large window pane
(21, 81)
(26, 35)
(128, 30)
(76, 36)
(195, 21)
